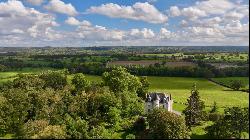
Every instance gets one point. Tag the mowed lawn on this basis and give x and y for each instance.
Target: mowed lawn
(179, 88)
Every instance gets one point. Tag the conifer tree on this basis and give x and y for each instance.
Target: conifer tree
(194, 110)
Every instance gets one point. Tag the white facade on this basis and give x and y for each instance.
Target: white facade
(156, 100)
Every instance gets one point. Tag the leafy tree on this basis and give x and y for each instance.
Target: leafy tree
(25, 81)
(143, 90)
(119, 80)
(54, 79)
(51, 132)
(100, 132)
(236, 84)
(166, 125)
(76, 128)
(14, 109)
(194, 110)
(32, 128)
(80, 82)
(233, 124)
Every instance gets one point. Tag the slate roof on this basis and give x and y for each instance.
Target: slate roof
(157, 96)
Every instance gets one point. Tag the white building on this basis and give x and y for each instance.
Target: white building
(154, 100)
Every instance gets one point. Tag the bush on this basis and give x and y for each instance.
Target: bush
(236, 84)
(214, 116)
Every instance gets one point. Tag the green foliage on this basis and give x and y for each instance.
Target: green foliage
(143, 90)
(3, 68)
(214, 108)
(76, 128)
(194, 110)
(32, 128)
(236, 84)
(232, 125)
(119, 80)
(100, 132)
(130, 136)
(51, 132)
(54, 79)
(166, 125)
(28, 81)
(139, 125)
(214, 116)
(14, 107)
(80, 82)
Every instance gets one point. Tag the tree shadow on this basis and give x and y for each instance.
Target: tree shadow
(195, 136)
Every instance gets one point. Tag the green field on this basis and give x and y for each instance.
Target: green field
(227, 80)
(10, 75)
(178, 87)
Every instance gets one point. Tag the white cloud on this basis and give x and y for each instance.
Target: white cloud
(227, 24)
(23, 23)
(99, 33)
(233, 15)
(35, 2)
(139, 11)
(60, 7)
(215, 6)
(175, 11)
(193, 13)
(17, 31)
(12, 8)
(166, 34)
(74, 22)
(144, 33)
(203, 9)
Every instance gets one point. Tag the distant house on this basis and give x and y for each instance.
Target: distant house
(156, 100)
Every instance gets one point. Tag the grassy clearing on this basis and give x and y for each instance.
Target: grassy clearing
(227, 80)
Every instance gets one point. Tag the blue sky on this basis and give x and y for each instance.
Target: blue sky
(123, 22)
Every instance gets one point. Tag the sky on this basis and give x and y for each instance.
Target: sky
(80, 23)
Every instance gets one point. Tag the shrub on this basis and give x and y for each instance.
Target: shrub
(214, 116)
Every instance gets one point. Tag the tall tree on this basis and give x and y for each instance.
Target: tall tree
(119, 80)
(194, 110)
(80, 82)
(143, 90)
